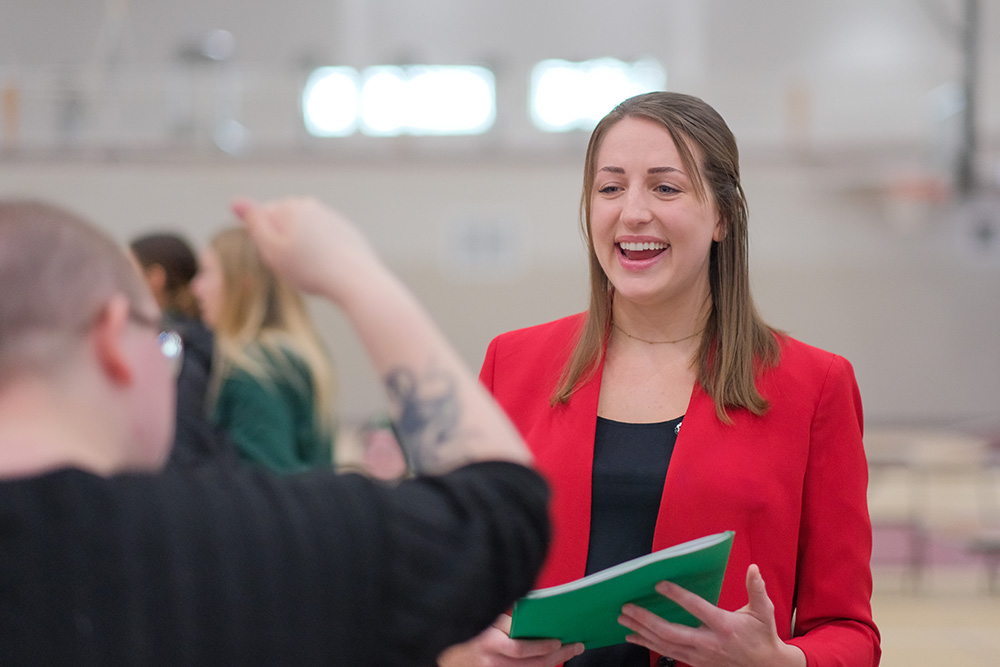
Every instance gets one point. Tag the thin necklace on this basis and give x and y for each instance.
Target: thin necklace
(655, 342)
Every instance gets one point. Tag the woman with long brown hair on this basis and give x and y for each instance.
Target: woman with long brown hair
(670, 410)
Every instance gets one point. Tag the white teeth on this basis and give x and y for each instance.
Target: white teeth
(625, 245)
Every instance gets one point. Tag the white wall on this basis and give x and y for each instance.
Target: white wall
(915, 306)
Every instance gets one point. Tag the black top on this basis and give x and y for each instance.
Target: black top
(630, 467)
(210, 566)
(196, 440)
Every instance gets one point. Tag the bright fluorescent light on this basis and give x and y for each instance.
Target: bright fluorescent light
(390, 100)
(383, 101)
(451, 100)
(427, 100)
(330, 102)
(568, 96)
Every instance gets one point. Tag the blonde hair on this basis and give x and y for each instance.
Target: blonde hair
(262, 318)
(736, 341)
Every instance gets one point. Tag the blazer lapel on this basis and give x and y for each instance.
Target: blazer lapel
(568, 458)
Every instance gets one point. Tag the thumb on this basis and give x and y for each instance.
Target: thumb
(503, 623)
(759, 603)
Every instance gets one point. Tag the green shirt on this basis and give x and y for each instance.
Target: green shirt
(273, 422)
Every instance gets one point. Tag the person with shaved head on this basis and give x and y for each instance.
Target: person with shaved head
(105, 559)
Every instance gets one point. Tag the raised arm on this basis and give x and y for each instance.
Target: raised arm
(445, 418)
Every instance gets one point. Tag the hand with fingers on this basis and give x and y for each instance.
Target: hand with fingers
(494, 648)
(313, 246)
(743, 638)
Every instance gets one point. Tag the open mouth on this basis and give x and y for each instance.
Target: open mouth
(640, 251)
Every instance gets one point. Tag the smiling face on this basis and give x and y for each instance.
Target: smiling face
(651, 231)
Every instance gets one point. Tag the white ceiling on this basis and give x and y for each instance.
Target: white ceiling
(833, 74)
(716, 36)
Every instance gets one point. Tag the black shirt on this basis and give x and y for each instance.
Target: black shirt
(630, 467)
(210, 566)
(196, 440)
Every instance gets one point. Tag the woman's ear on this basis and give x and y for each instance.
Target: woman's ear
(721, 229)
(108, 335)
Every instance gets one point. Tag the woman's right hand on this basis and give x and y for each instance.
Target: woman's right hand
(494, 648)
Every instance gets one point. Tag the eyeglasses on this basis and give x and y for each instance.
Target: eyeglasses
(172, 347)
(171, 344)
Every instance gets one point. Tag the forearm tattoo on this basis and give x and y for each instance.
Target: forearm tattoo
(428, 416)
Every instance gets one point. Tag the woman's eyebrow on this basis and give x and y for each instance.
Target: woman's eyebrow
(661, 170)
(651, 170)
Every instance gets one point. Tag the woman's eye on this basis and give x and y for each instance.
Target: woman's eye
(608, 189)
(666, 190)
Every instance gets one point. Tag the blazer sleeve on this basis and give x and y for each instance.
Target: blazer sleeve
(833, 622)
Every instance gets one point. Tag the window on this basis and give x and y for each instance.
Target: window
(390, 100)
(574, 96)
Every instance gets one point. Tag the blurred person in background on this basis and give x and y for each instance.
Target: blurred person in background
(169, 265)
(272, 384)
(106, 561)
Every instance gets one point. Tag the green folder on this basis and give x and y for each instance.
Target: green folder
(587, 610)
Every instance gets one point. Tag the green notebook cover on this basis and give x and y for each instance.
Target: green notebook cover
(587, 610)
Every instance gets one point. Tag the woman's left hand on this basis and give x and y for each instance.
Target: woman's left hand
(742, 638)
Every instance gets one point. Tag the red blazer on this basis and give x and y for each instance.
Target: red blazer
(792, 483)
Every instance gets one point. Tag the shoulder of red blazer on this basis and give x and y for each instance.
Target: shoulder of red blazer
(802, 365)
(541, 350)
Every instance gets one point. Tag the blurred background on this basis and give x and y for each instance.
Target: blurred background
(870, 139)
